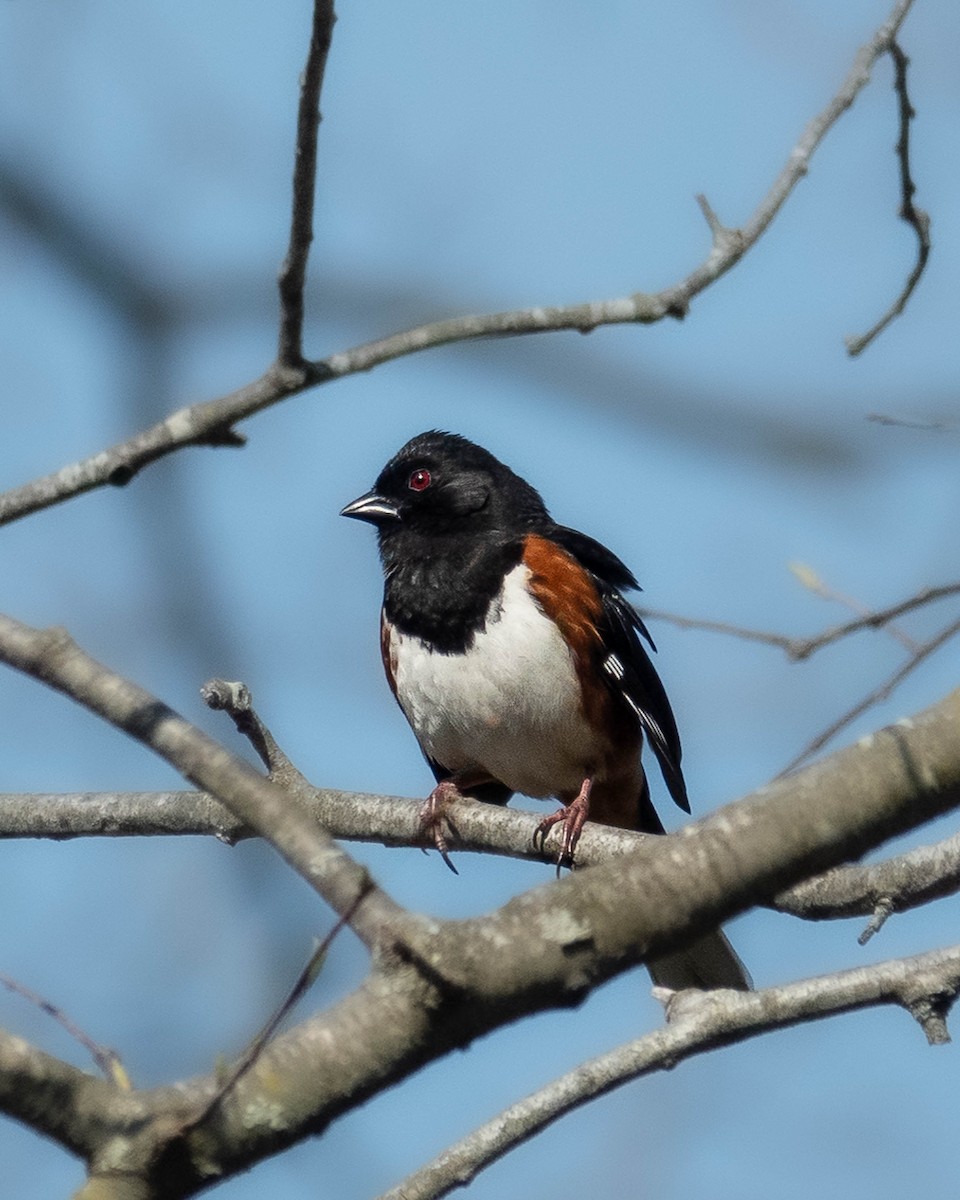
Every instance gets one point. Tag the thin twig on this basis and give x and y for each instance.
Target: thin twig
(294, 269)
(108, 1061)
(893, 885)
(212, 422)
(51, 656)
(813, 582)
(882, 912)
(236, 699)
(253, 1051)
(799, 648)
(878, 694)
(915, 217)
(925, 986)
(782, 641)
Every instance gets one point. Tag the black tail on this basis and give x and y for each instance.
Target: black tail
(709, 962)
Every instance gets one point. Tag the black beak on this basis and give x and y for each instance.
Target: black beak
(373, 508)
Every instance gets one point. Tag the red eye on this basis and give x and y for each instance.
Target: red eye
(419, 480)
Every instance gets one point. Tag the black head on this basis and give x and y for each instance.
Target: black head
(442, 484)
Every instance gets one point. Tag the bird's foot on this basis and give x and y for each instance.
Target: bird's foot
(433, 818)
(572, 816)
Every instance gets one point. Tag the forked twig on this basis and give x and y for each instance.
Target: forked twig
(915, 217)
(799, 648)
(878, 694)
(814, 583)
(212, 421)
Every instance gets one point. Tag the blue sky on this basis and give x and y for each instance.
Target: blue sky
(471, 159)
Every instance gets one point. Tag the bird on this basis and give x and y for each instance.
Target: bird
(519, 664)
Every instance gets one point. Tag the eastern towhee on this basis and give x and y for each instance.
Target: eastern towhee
(517, 661)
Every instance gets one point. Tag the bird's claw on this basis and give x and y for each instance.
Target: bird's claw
(573, 816)
(433, 816)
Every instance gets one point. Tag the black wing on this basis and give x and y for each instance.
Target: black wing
(597, 559)
(626, 664)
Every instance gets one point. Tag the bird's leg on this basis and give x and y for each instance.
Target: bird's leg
(433, 815)
(573, 816)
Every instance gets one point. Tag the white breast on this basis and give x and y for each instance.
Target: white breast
(510, 705)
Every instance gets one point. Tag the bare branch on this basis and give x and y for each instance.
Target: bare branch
(804, 647)
(294, 269)
(351, 816)
(799, 648)
(815, 583)
(644, 308)
(878, 918)
(915, 217)
(878, 694)
(440, 984)
(211, 423)
(236, 699)
(107, 1060)
(906, 881)
(706, 1021)
(50, 1095)
(51, 656)
(782, 641)
(252, 1053)
(207, 424)
(66, 815)
(273, 812)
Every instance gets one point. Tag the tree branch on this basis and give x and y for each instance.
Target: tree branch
(437, 985)
(729, 246)
(799, 648)
(900, 883)
(107, 1060)
(51, 656)
(41, 1091)
(706, 1021)
(915, 217)
(234, 698)
(879, 693)
(212, 422)
(911, 766)
(906, 881)
(294, 269)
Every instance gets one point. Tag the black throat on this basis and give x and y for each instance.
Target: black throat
(440, 588)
